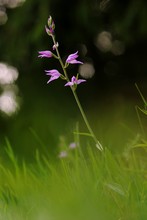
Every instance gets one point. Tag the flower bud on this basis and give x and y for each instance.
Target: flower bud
(55, 46)
(49, 21)
(51, 26)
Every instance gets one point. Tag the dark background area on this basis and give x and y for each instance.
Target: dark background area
(48, 111)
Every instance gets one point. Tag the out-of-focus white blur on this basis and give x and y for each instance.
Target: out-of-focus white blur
(8, 4)
(9, 102)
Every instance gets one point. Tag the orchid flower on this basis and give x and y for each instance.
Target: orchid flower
(74, 81)
(54, 74)
(71, 59)
(45, 53)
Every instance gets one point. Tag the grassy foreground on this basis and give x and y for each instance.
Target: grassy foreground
(82, 186)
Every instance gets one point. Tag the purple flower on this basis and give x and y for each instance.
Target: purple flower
(45, 53)
(63, 154)
(54, 74)
(75, 81)
(72, 59)
(72, 145)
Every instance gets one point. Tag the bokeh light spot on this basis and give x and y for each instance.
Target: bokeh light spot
(11, 3)
(104, 41)
(8, 103)
(87, 70)
(8, 4)
(8, 74)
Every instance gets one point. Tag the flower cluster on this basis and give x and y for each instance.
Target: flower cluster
(71, 59)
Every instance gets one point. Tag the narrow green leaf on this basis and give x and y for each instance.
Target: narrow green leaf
(83, 133)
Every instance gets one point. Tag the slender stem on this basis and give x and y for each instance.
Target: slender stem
(98, 145)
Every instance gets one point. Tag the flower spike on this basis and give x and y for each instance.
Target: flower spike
(54, 74)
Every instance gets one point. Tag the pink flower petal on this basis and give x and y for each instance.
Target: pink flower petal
(45, 53)
(72, 58)
(54, 74)
(74, 81)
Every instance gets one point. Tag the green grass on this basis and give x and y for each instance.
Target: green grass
(86, 185)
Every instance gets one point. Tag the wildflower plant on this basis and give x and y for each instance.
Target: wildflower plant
(55, 74)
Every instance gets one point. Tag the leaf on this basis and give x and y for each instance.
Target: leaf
(143, 110)
(140, 145)
(116, 188)
(84, 134)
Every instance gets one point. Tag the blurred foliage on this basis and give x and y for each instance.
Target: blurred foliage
(23, 35)
(77, 23)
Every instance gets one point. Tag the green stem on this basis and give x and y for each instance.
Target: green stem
(60, 60)
(98, 145)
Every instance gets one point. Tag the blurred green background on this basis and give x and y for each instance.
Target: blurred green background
(110, 35)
